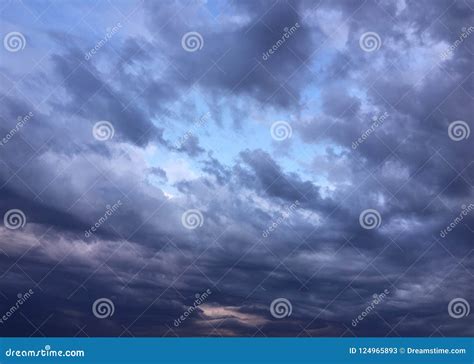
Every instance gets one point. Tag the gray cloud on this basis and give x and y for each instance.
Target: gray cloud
(317, 254)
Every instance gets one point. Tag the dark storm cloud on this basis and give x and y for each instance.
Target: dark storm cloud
(237, 48)
(317, 254)
(213, 167)
(94, 95)
(419, 105)
(272, 181)
(158, 172)
(191, 146)
(337, 103)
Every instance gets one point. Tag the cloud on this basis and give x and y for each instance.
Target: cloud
(317, 255)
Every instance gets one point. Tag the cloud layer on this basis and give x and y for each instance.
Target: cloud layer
(233, 169)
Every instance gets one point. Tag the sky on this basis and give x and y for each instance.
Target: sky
(236, 168)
